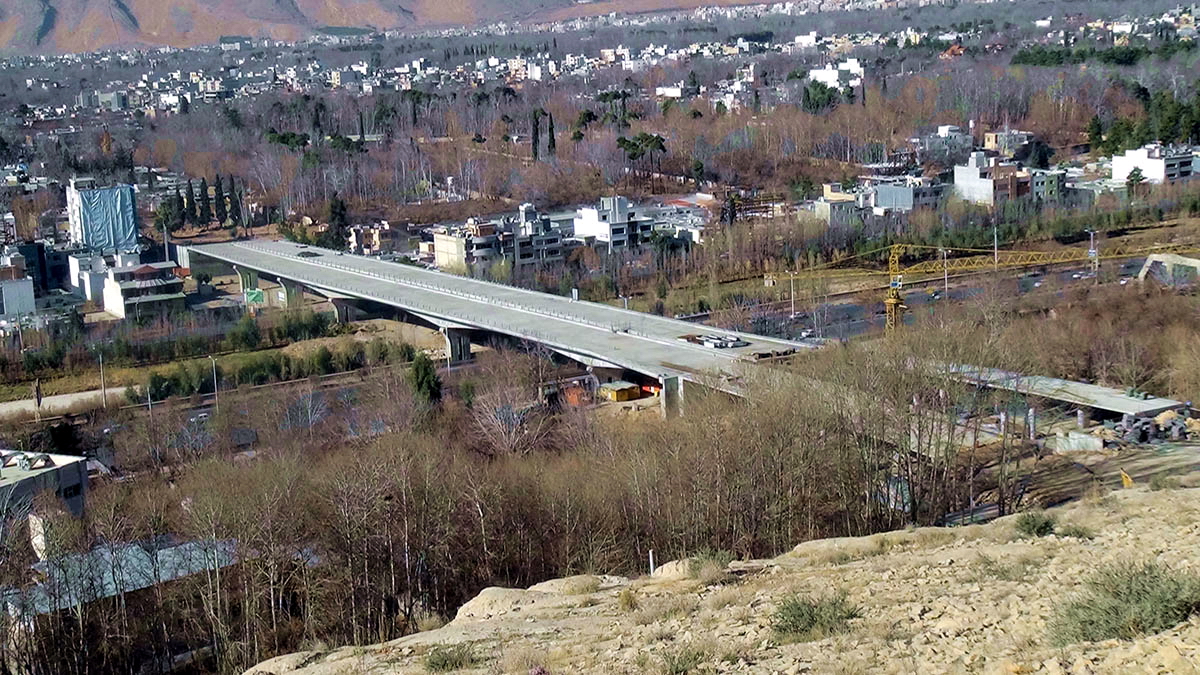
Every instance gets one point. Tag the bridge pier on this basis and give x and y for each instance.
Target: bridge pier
(342, 309)
(293, 294)
(247, 279)
(671, 398)
(458, 344)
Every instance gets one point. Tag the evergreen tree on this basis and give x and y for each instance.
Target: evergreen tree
(190, 213)
(235, 207)
(205, 213)
(335, 236)
(551, 144)
(219, 209)
(177, 213)
(424, 380)
(535, 126)
(1095, 132)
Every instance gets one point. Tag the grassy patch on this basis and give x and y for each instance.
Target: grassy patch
(523, 660)
(1161, 482)
(710, 567)
(990, 568)
(683, 660)
(1035, 524)
(806, 619)
(665, 609)
(581, 585)
(1126, 601)
(724, 597)
(1075, 532)
(627, 600)
(445, 658)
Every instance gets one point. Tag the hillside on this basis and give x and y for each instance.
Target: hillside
(973, 599)
(57, 26)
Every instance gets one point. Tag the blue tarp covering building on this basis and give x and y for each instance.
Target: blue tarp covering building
(104, 219)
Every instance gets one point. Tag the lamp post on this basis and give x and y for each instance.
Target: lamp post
(216, 398)
(792, 292)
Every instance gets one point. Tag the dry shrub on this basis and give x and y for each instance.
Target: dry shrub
(523, 659)
(724, 597)
(665, 608)
(581, 585)
(627, 600)
(1126, 601)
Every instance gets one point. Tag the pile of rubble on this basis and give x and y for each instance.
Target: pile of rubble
(1166, 426)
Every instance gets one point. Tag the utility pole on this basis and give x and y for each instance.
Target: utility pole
(945, 274)
(995, 246)
(216, 398)
(1094, 256)
(792, 279)
(103, 389)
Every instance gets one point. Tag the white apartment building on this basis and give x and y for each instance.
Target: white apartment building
(614, 224)
(1159, 164)
(848, 73)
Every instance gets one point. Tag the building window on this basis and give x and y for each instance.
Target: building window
(72, 491)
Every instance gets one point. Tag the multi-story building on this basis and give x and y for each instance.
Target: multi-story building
(613, 225)
(374, 239)
(527, 239)
(947, 140)
(16, 285)
(25, 474)
(1158, 163)
(1047, 185)
(848, 73)
(104, 219)
(983, 180)
(908, 193)
(1006, 142)
(143, 289)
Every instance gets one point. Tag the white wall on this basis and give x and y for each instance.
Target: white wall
(1153, 170)
(18, 296)
(114, 302)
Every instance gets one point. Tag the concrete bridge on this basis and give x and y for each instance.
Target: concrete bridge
(603, 337)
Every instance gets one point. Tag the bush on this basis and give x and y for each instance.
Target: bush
(1126, 601)
(683, 661)
(1035, 524)
(709, 567)
(423, 378)
(445, 658)
(805, 619)
(1161, 482)
(1076, 532)
(627, 600)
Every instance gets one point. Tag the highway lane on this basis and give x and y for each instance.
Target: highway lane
(845, 320)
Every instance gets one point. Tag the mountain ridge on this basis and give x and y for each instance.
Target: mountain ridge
(74, 26)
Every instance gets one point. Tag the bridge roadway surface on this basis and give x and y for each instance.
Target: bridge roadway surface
(596, 334)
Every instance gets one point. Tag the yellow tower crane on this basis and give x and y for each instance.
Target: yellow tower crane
(959, 260)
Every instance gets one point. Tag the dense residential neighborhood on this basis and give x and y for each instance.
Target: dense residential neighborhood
(325, 332)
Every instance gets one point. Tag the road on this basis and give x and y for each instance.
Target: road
(592, 333)
(843, 320)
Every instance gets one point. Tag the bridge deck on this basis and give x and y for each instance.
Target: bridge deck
(644, 343)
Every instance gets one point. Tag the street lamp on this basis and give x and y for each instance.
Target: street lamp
(1094, 255)
(216, 399)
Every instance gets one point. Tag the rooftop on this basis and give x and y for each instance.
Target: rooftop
(17, 466)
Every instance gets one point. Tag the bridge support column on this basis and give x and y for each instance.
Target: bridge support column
(247, 280)
(458, 344)
(671, 398)
(341, 309)
(293, 294)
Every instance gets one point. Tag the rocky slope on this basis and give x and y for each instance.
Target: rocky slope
(972, 599)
